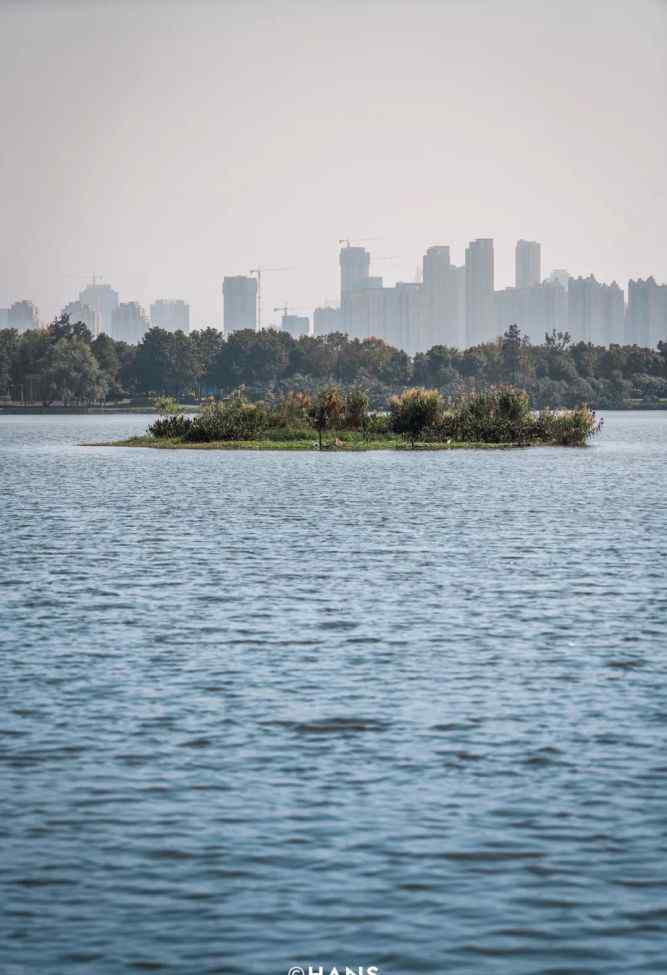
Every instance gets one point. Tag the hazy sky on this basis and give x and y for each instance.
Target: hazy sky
(165, 144)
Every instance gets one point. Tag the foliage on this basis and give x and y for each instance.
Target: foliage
(327, 411)
(497, 415)
(166, 405)
(292, 410)
(233, 419)
(171, 426)
(571, 428)
(72, 374)
(558, 373)
(414, 411)
(356, 409)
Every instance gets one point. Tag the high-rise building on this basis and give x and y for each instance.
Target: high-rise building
(480, 303)
(443, 300)
(23, 315)
(527, 264)
(561, 275)
(78, 312)
(646, 321)
(402, 317)
(536, 310)
(362, 315)
(326, 321)
(595, 311)
(103, 300)
(355, 265)
(4, 317)
(129, 323)
(240, 300)
(172, 315)
(296, 325)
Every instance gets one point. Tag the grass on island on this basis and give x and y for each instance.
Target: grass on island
(418, 419)
(350, 445)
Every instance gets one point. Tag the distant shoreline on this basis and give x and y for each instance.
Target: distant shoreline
(85, 410)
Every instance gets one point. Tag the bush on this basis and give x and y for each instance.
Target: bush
(568, 428)
(166, 405)
(378, 424)
(175, 425)
(498, 415)
(235, 419)
(356, 410)
(291, 411)
(415, 411)
(327, 412)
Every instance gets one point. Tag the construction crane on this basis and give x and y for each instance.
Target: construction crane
(258, 272)
(357, 240)
(285, 309)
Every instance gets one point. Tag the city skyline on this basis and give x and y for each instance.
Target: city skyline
(300, 287)
(446, 304)
(408, 123)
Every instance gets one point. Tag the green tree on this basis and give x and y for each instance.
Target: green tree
(327, 411)
(206, 345)
(356, 409)
(415, 410)
(9, 346)
(153, 362)
(73, 374)
(512, 354)
(62, 328)
(29, 366)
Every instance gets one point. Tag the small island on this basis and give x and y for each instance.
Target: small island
(417, 419)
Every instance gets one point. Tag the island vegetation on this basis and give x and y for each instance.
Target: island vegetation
(417, 418)
(64, 364)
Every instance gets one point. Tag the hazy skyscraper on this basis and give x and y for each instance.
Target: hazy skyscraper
(296, 325)
(363, 316)
(536, 310)
(240, 300)
(103, 300)
(480, 305)
(562, 275)
(129, 322)
(595, 311)
(172, 315)
(646, 322)
(527, 263)
(355, 265)
(326, 321)
(78, 312)
(435, 292)
(443, 300)
(23, 315)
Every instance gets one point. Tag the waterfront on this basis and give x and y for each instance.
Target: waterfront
(393, 709)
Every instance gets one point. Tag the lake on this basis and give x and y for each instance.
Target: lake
(263, 710)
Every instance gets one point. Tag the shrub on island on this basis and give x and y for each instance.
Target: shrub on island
(501, 415)
(172, 427)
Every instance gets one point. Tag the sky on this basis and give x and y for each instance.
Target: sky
(163, 145)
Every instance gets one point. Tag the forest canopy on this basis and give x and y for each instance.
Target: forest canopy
(65, 364)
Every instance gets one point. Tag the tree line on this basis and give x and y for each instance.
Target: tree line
(64, 363)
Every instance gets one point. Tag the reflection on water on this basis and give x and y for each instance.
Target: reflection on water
(268, 709)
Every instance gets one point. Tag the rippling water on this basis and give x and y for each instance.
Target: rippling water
(270, 709)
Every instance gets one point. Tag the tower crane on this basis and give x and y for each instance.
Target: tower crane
(286, 308)
(357, 240)
(258, 271)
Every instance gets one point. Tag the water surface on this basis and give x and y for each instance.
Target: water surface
(269, 709)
